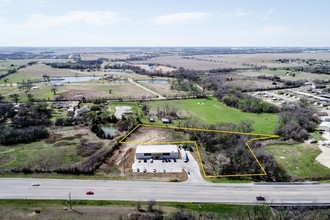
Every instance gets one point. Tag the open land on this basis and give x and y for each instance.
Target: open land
(84, 209)
(299, 160)
(211, 111)
(74, 148)
(207, 62)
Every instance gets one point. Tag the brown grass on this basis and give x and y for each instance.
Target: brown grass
(206, 62)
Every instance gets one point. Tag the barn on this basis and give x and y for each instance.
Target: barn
(157, 152)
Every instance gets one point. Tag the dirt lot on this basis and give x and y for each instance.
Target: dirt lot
(123, 158)
(164, 69)
(163, 88)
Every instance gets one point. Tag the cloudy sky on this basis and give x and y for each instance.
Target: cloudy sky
(164, 23)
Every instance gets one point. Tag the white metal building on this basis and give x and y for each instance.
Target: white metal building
(157, 152)
(325, 126)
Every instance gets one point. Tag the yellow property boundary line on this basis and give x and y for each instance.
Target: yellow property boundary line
(247, 144)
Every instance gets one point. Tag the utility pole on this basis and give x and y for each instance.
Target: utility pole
(70, 201)
(125, 164)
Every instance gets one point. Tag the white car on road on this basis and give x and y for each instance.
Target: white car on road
(35, 184)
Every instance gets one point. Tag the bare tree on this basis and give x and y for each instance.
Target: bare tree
(14, 97)
(54, 89)
(151, 203)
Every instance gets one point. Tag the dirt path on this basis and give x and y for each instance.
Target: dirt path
(324, 157)
(146, 89)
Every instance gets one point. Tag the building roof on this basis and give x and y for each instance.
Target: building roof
(322, 114)
(156, 148)
(325, 124)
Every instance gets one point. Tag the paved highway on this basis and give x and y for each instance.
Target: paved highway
(20, 188)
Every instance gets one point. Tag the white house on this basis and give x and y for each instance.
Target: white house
(157, 152)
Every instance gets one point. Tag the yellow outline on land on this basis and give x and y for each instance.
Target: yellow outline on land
(259, 137)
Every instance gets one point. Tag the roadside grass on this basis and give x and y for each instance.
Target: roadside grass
(217, 209)
(225, 210)
(299, 160)
(317, 136)
(226, 180)
(212, 111)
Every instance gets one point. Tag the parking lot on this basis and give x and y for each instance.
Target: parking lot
(159, 166)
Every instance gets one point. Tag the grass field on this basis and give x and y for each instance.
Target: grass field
(89, 209)
(39, 155)
(212, 111)
(299, 160)
(58, 151)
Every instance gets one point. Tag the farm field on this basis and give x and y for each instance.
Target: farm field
(283, 74)
(94, 89)
(212, 111)
(162, 88)
(244, 81)
(206, 62)
(90, 89)
(299, 160)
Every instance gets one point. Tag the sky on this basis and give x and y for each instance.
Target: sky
(165, 23)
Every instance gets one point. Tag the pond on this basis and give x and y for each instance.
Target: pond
(109, 131)
(154, 81)
(73, 79)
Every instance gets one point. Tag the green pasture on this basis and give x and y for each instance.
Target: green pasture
(299, 160)
(39, 155)
(18, 77)
(212, 111)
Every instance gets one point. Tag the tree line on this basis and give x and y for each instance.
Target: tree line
(28, 123)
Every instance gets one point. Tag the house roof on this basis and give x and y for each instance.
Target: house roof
(322, 114)
(156, 148)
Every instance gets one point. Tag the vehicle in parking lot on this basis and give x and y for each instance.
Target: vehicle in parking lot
(185, 158)
(151, 160)
(35, 184)
(89, 193)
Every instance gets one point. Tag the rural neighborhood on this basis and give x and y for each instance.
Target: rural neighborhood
(143, 110)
